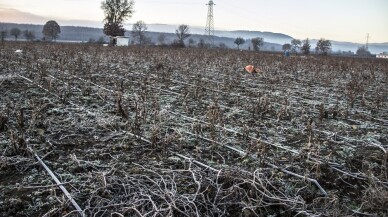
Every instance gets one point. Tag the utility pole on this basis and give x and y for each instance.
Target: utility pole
(367, 41)
(209, 30)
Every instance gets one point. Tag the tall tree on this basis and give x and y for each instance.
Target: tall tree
(239, 41)
(112, 29)
(138, 30)
(257, 43)
(306, 46)
(51, 30)
(15, 32)
(3, 34)
(116, 12)
(323, 46)
(29, 35)
(182, 33)
(295, 43)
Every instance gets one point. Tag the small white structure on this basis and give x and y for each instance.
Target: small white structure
(121, 41)
(383, 55)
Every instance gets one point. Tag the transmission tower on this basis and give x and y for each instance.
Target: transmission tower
(209, 30)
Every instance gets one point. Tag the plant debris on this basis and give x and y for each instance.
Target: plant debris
(149, 131)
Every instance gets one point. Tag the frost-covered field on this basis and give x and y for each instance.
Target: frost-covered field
(187, 132)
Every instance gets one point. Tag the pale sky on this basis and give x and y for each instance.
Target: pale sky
(340, 20)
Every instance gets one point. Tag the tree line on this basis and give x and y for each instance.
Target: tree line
(116, 12)
(323, 46)
(51, 31)
(16, 33)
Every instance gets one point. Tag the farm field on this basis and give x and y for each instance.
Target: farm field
(187, 132)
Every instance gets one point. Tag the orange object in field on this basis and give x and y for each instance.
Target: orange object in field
(252, 69)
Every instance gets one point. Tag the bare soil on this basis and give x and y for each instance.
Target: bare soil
(147, 131)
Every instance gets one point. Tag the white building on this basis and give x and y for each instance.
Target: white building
(383, 55)
(120, 40)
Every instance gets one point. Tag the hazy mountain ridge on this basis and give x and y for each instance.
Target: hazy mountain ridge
(273, 41)
(270, 37)
(278, 38)
(76, 33)
(68, 33)
(374, 48)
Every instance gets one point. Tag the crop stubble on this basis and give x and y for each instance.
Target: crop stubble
(147, 131)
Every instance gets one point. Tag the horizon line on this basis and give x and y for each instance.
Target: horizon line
(94, 27)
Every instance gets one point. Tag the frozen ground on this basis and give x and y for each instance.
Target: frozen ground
(187, 132)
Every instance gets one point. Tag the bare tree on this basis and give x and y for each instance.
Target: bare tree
(183, 32)
(257, 43)
(295, 43)
(29, 35)
(323, 46)
(306, 46)
(239, 41)
(138, 30)
(15, 32)
(3, 34)
(113, 29)
(116, 12)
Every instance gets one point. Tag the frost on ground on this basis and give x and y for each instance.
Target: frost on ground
(147, 131)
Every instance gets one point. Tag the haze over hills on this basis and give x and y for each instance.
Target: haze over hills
(271, 37)
(274, 38)
(92, 30)
(273, 41)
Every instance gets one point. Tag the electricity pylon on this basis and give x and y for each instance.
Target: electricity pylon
(209, 30)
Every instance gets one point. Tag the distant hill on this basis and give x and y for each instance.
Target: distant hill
(68, 33)
(273, 41)
(270, 37)
(374, 48)
(277, 38)
(84, 34)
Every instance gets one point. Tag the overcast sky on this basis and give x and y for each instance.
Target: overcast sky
(341, 20)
